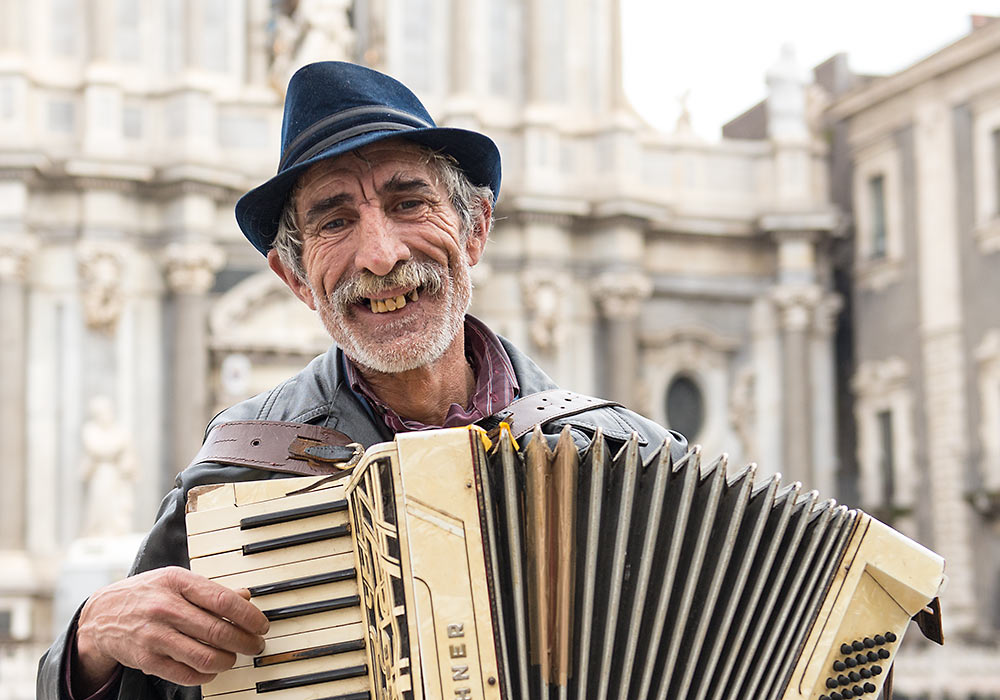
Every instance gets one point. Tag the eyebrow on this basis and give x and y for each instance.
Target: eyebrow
(326, 204)
(400, 183)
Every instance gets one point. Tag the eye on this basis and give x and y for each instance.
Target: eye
(409, 204)
(334, 224)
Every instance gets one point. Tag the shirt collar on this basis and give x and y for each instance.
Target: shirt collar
(496, 384)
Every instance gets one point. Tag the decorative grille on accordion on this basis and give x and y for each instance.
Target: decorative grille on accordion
(447, 568)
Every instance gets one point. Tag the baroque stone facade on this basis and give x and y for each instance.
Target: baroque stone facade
(625, 260)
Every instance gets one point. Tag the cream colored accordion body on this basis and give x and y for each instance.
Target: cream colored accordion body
(445, 567)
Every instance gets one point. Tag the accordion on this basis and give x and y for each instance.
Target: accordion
(445, 565)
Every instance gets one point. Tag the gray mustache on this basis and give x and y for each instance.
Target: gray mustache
(411, 273)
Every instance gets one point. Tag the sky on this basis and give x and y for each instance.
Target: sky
(719, 51)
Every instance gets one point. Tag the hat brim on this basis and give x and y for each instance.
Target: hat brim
(258, 211)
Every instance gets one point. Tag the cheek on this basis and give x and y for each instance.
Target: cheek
(324, 267)
(438, 238)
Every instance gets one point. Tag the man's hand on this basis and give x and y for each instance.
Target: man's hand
(167, 622)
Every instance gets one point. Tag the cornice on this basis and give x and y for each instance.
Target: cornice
(973, 46)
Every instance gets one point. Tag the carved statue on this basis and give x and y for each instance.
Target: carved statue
(308, 31)
(108, 471)
(101, 285)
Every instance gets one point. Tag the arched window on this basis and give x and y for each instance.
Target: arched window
(685, 406)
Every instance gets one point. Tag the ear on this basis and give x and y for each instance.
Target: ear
(475, 244)
(298, 287)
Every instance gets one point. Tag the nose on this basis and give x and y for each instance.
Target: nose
(379, 245)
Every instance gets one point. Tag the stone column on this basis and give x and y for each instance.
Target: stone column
(824, 394)
(796, 307)
(15, 251)
(190, 273)
(619, 297)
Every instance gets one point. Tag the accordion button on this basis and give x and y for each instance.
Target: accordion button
(836, 696)
(876, 670)
(890, 637)
(862, 659)
(883, 653)
(865, 673)
(850, 662)
(824, 697)
(869, 687)
(832, 683)
(839, 666)
(880, 639)
(846, 649)
(858, 645)
(872, 656)
(843, 680)
(869, 643)
(846, 693)
(857, 690)
(854, 676)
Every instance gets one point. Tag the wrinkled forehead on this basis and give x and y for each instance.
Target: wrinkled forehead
(376, 162)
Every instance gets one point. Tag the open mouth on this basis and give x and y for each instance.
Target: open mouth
(381, 306)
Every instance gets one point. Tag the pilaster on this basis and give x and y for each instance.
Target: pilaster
(619, 297)
(190, 269)
(943, 355)
(796, 307)
(15, 254)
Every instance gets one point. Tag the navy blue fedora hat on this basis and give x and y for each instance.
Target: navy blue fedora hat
(332, 108)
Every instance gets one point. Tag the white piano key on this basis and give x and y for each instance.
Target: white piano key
(233, 538)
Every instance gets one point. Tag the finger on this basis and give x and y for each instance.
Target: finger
(243, 593)
(204, 626)
(170, 670)
(221, 601)
(200, 657)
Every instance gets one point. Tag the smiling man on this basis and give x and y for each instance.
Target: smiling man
(374, 220)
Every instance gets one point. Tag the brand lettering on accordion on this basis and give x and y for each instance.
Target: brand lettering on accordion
(563, 573)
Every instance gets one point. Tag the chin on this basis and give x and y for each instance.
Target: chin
(406, 350)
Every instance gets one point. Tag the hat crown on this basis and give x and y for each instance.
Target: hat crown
(332, 96)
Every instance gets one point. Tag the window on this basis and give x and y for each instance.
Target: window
(6, 625)
(215, 35)
(886, 456)
(129, 30)
(876, 191)
(62, 116)
(132, 122)
(685, 407)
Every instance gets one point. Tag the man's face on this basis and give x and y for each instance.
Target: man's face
(386, 262)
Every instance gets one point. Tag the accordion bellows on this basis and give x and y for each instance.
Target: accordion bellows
(445, 567)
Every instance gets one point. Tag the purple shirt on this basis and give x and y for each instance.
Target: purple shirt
(496, 385)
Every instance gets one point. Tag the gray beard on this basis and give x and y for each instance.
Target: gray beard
(434, 342)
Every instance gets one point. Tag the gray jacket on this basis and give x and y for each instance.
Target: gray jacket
(315, 395)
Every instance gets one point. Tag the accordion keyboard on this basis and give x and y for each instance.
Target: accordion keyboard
(297, 561)
(451, 566)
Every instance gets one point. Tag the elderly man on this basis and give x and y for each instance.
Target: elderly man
(374, 220)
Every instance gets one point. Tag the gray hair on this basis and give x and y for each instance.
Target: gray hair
(467, 198)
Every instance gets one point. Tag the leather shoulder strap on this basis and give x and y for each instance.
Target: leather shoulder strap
(311, 450)
(537, 409)
(293, 448)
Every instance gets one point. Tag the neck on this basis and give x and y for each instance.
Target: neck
(426, 393)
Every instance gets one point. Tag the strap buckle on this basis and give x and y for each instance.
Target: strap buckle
(326, 456)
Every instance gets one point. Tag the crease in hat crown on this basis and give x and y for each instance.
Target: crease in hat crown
(333, 108)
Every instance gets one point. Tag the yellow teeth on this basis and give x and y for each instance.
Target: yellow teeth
(380, 306)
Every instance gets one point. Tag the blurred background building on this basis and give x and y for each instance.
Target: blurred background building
(814, 292)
